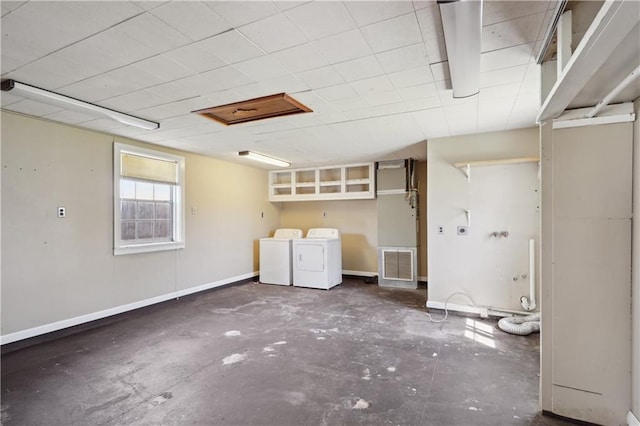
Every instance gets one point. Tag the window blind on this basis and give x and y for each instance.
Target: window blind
(136, 166)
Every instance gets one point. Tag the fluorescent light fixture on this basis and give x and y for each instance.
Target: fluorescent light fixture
(52, 98)
(462, 25)
(263, 158)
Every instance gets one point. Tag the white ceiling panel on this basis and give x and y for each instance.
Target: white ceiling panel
(494, 12)
(195, 57)
(403, 58)
(431, 28)
(511, 33)
(231, 47)
(393, 33)
(373, 72)
(250, 11)
(411, 77)
(368, 12)
(300, 58)
(274, 33)
(320, 77)
(262, 67)
(360, 68)
(321, 19)
(343, 47)
(337, 92)
(193, 19)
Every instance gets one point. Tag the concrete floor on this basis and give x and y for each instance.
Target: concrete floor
(257, 354)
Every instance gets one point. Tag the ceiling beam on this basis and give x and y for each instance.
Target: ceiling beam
(609, 28)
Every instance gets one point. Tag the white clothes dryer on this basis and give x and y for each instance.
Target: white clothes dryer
(276, 257)
(317, 259)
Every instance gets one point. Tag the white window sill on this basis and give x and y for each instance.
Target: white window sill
(145, 248)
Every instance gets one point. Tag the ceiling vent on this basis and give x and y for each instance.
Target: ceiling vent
(254, 109)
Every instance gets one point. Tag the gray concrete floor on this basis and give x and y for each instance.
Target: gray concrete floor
(257, 354)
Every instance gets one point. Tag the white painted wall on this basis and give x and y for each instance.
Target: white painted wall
(635, 267)
(586, 263)
(59, 269)
(500, 198)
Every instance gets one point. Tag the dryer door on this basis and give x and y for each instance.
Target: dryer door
(310, 257)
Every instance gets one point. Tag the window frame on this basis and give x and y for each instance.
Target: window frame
(122, 247)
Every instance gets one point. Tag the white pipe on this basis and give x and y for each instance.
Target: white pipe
(520, 325)
(532, 272)
(619, 88)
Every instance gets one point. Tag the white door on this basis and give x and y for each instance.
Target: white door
(309, 257)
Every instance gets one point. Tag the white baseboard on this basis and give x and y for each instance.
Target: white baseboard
(632, 420)
(456, 308)
(59, 325)
(423, 279)
(359, 273)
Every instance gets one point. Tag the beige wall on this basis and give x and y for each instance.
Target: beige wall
(500, 198)
(586, 263)
(635, 266)
(57, 269)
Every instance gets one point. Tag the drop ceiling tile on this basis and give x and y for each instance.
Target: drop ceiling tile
(499, 11)
(508, 57)
(494, 114)
(524, 112)
(241, 13)
(421, 91)
(431, 27)
(104, 124)
(273, 33)
(134, 101)
(231, 47)
(462, 119)
(288, 83)
(321, 19)
(503, 76)
(421, 4)
(382, 98)
(28, 32)
(511, 33)
(313, 101)
(70, 116)
(440, 71)
(54, 71)
(320, 77)
(422, 104)
(9, 6)
(300, 58)
(224, 78)
(368, 12)
(8, 99)
(261, 68)
(196, 57)
(411, 77)
(29, 107)
(193, 19)
(337, 92)
(499, 92)
(372, 85)
(359, 69)
(343, 47)
(393, 33)
(402, 58)
(286, 4)
(103, 86)
(173, 109)
(149, 4)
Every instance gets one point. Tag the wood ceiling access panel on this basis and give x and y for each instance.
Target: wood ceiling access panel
(254, 109)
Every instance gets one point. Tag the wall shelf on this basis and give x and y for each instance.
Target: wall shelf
(349, 181)
(465, 166)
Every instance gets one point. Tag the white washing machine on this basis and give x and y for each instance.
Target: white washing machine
(317, 259)
(276, 256)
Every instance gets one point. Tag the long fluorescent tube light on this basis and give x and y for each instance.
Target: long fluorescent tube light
(263, 158)
(462, 25)
(52, 98)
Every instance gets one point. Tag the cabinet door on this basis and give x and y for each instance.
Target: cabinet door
(310, 257)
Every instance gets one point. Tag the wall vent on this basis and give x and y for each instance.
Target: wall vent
(398, 265)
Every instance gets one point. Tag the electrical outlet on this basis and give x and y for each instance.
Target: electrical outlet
(440, 230)
(62, 212)
(324, 214)
(463, 230)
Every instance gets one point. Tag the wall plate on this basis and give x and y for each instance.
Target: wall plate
(463, 230)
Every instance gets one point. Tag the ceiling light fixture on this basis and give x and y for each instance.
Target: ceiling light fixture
(263, 158)
(462, 25)
(52, 98)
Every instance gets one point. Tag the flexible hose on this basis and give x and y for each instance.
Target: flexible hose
(520, 325)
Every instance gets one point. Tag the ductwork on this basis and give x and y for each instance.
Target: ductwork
(520, 325)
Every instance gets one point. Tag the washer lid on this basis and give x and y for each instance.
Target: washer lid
(326, 233)
(287, 233)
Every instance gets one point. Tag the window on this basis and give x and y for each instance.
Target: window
(148, 188)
